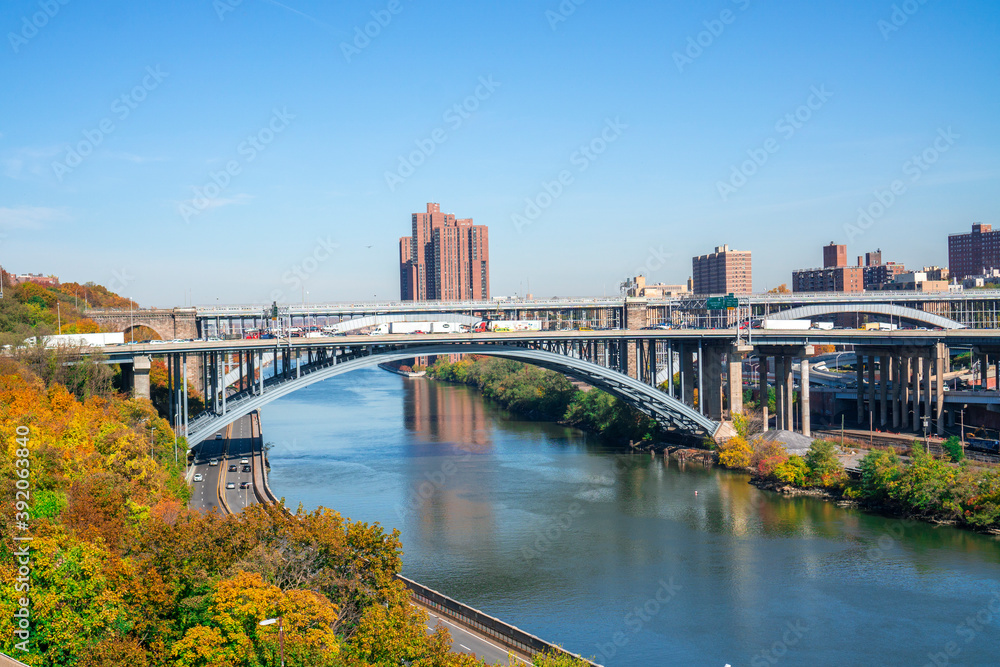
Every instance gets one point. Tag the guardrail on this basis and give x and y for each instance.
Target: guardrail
(510, 636)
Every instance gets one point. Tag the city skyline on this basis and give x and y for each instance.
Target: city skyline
(608, 143)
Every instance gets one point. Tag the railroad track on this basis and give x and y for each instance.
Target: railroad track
(902, 442)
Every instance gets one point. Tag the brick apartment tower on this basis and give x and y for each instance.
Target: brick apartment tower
(834, 255)
(722, 272)
(974, 254)
(444, 258)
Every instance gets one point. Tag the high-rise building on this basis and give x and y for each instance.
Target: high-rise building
(444, 258)
(834, 255)
(723, 272)
(974, 254)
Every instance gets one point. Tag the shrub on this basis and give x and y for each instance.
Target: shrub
(953, 447)
(793, 471)
(767, 455)
(825, 469)
(735, 453)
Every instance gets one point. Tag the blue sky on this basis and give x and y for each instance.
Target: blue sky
(644, 125)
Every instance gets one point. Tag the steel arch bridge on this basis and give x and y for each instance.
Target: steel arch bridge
(893, 310)
(674, 415)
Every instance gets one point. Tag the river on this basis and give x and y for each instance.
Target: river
(628, 558)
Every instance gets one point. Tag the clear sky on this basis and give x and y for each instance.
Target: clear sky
(116, 117)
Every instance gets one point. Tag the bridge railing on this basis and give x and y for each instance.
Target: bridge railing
(510, 636)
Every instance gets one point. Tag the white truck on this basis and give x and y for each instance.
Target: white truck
(84, 340)
(823, 326)
(508, 325)
(415, 327)
(787, 325)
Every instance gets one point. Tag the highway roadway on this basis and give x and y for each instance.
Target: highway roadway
(240, 449)
(228, 450)
(464, 641)
(204, 493)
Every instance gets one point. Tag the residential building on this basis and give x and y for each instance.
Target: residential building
(447, 258)
(834, 255)
(829, 279)
(916, 281)
(724, 271)
(835, 276)
(974, 254)
(37, 278)
(883, 274)
(638, 287)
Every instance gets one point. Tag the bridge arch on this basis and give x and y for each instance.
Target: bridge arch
(894, 310)
(672, 414)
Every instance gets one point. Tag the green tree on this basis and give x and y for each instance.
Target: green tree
(953, 447)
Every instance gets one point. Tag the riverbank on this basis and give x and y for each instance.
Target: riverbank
(919, 486)
(405, 371)
(545, 395)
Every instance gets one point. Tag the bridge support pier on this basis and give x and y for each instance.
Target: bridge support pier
(897, 390)
(763, 393)
(915, 391)
(140, 377)
(804, 402)
(734, 379)
(940, 355)
(859, 362)
(687, 375)
(884, 371)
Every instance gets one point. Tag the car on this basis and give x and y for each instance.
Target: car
(232, 467)
(246, 469)
(244, 485)
(244, 461)
(218, 436)
(198, 477)
(213, 462)
(230, 485)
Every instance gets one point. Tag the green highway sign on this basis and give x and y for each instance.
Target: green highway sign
(722, 302)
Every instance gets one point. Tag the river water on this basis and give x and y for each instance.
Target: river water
(628, 558)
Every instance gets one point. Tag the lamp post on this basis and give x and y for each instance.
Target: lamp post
(927, 432)
(281, 634)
